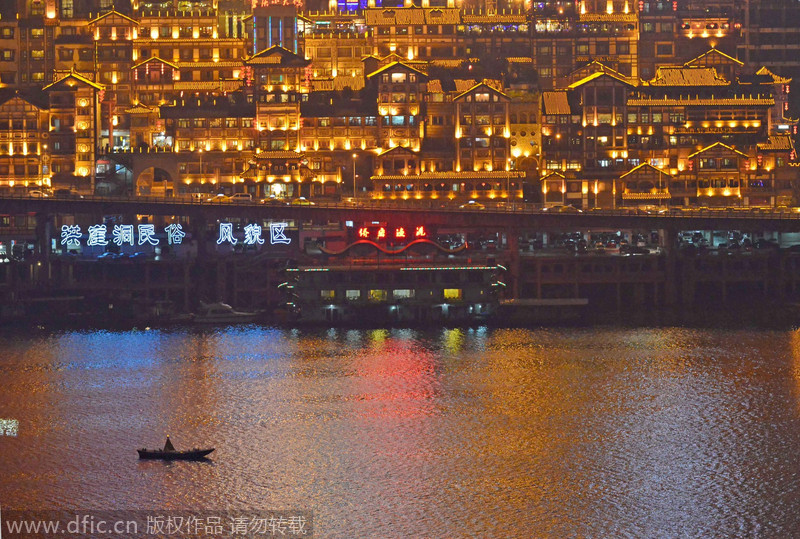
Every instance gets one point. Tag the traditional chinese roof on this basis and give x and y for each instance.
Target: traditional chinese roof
(75, 77)
(696, 101)
(464, 175)
(687, 76)
(734, 150)
(337, 83)
(777, 143)
(224, 85)
(455, 62)
(435, 86)
(462, 85)
(712, 52)
(398, 149)
(775, 78)
(38, 99)
(391, 67)
(405, 16)
(141, 109)
(519, 60)
(608, 17)
(553, 173)
(277, 154)
(110, 13)
(484, 83)
(642, 168)
(596, 75)
(595, 66)
(494, 18)
(155, 59)
(276, 55)
(555, 103)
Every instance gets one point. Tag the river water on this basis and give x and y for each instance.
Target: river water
(601, 432)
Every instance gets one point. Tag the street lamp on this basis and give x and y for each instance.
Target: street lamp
(354, 177)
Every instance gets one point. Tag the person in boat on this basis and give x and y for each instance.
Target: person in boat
(168, 445)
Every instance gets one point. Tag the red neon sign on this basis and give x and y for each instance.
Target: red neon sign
(388, 232)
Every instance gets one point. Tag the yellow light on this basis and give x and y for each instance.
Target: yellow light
(154, 33)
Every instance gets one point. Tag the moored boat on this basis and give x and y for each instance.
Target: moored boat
(222, 313)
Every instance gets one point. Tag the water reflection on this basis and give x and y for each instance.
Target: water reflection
(441, 433)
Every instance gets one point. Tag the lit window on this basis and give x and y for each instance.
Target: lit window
(452, 294)
(353, 295)
(377, 295)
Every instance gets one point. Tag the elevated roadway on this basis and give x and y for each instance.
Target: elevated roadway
(430, 213)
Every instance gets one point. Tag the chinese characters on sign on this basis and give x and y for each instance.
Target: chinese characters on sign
(97, 235)
(384, 233)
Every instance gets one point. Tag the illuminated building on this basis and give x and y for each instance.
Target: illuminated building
(113, 33)
(424, 33)
(24, 143)
(566, 37)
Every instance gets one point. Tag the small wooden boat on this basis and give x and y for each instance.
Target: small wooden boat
(170, 453)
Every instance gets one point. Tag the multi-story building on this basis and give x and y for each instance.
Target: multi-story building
(425, 32)
(24, 139)
(73, 130)
(113, 34)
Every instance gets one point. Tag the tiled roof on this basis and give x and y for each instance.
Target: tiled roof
(462, 85)
(593, 67)
(435, 86)
(224, 85)
(608, 17)
(78, 78)
(113, 12)
(398, 149)
(466, 175)
(276, 55)
(491, 84)
(494, 18)
(687, 76)
(141, 109)
(277, 154)
(718, 144)
(456, 62)
(597, 75)
(405, 16)
(712, 52)
(777, 143)
(702, 102)
(776, 78)
(555, 103)
(337, 83)
(155, 59)
(395, 64)
(646, 166)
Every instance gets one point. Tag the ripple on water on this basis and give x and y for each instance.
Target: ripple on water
(652, 432)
